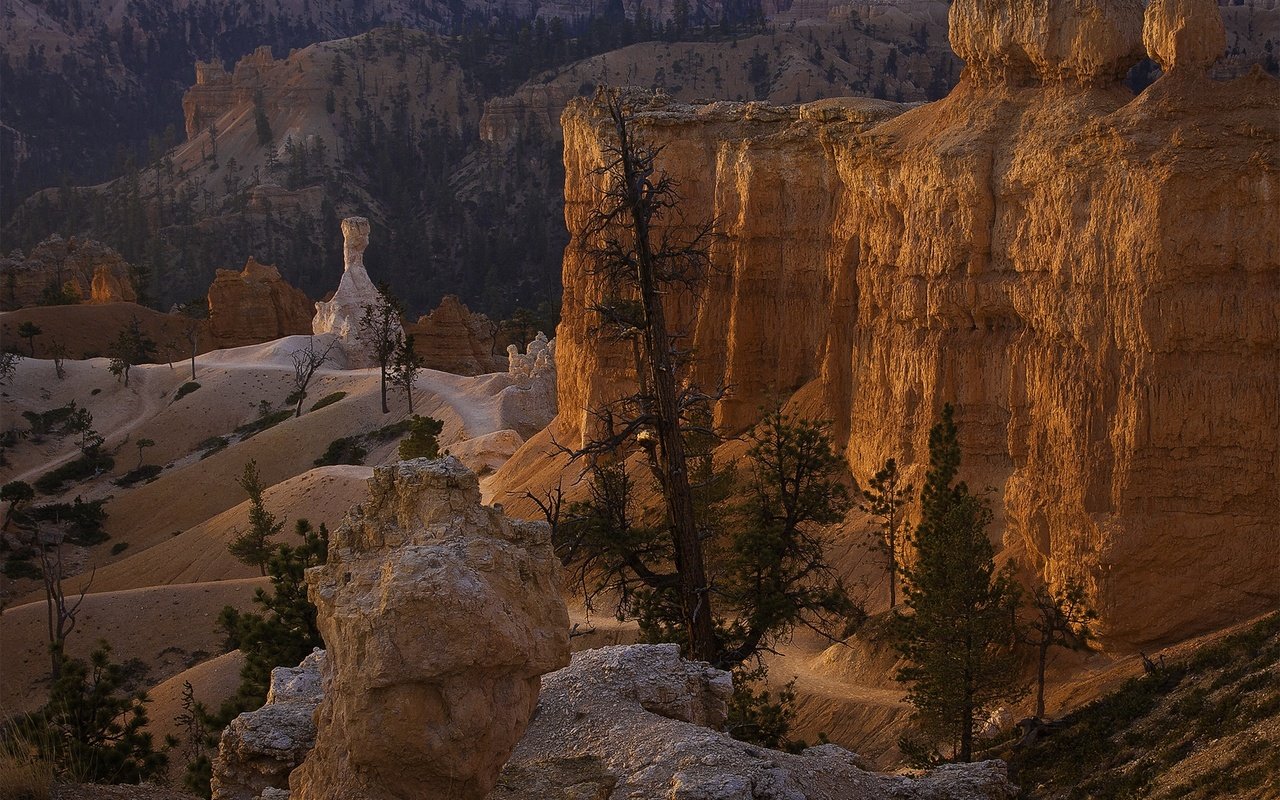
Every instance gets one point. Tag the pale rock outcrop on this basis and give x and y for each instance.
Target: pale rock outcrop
(1184, 35)
(636, 721)
(255, 305)
(260, 748)
(85, 269)
(618, 722)
(341, 314)
(454, 339)
(529, 404)
(1089, 276)
(440, 616)
(486, 453)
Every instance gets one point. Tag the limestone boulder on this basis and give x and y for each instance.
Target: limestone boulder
(260, 748)
(440, 616)
(1051, 40)
(255, 305)
(638, 721)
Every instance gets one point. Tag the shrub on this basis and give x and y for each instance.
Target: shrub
(185, 389)
(119, 547)
(388, 432)
(346, 450)
(51, 421)
(15, 568)
(140, 475)
(264, 422)
(83, 520)
(328, 400)
(86, 466)
(212, 445)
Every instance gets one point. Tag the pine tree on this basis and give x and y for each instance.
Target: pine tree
(959, 629)
(884, 498)
(253, 546)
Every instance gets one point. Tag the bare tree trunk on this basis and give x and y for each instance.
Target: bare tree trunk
(694, 593)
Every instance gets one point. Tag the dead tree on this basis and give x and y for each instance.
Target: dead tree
(635, 247)
(306, 362)
(61, 614)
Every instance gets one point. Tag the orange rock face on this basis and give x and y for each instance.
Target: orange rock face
(454, 339)
(1091, 277)
(255, 305)
(81, 268)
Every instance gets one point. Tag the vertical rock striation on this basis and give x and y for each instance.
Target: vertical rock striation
(1091, 277)
(440, 616)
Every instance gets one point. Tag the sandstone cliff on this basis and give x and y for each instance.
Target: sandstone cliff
(255, 305)
(1091, 277)
(81, 270)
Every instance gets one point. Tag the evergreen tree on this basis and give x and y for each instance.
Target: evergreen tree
(253, 546)
(381, 332)
(884, 498)
(958, 631)
(405, 366)
(130, 347)
(92, 729)
(421, 441)
(29, 330)
(1060, 619)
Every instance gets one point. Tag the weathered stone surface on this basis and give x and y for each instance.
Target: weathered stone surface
(255, 305)
(529, 404)
(86, 269)
(1090, 277)
(1050, 40)
(341, 314)
(454, 339)
(1184, 35)
(260, 748)
(440, 615)
(216, 91)
(630, 721)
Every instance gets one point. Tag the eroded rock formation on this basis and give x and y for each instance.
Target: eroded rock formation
(529, 404)
(637, 721)
(1091, 277)
(341, 314)
(454, 339)
(617, 722)
(216, 91)
(260, 748)
(255, 305)
(84, 270)
(440, 617)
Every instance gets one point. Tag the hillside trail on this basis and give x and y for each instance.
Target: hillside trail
(119, 426)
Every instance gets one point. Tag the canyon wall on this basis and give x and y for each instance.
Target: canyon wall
(1093, 278)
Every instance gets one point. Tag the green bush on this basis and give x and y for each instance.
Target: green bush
(119, 547)
(140, 475)
(51, 421)
(185, 389)
(82, 468)
(346, 450)
(328, 400)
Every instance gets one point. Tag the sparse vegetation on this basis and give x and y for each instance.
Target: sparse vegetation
(381, 332)
(328, 400)
(130, 348)
(185, 389)
(87, 466)
(29, 330)
(212, 445)
(8, 365)
(83, 521)
(1223, 698)
(306, 362)
(264, 422)
(142, 474)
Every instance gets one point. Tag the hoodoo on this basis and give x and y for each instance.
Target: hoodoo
(341, 315)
